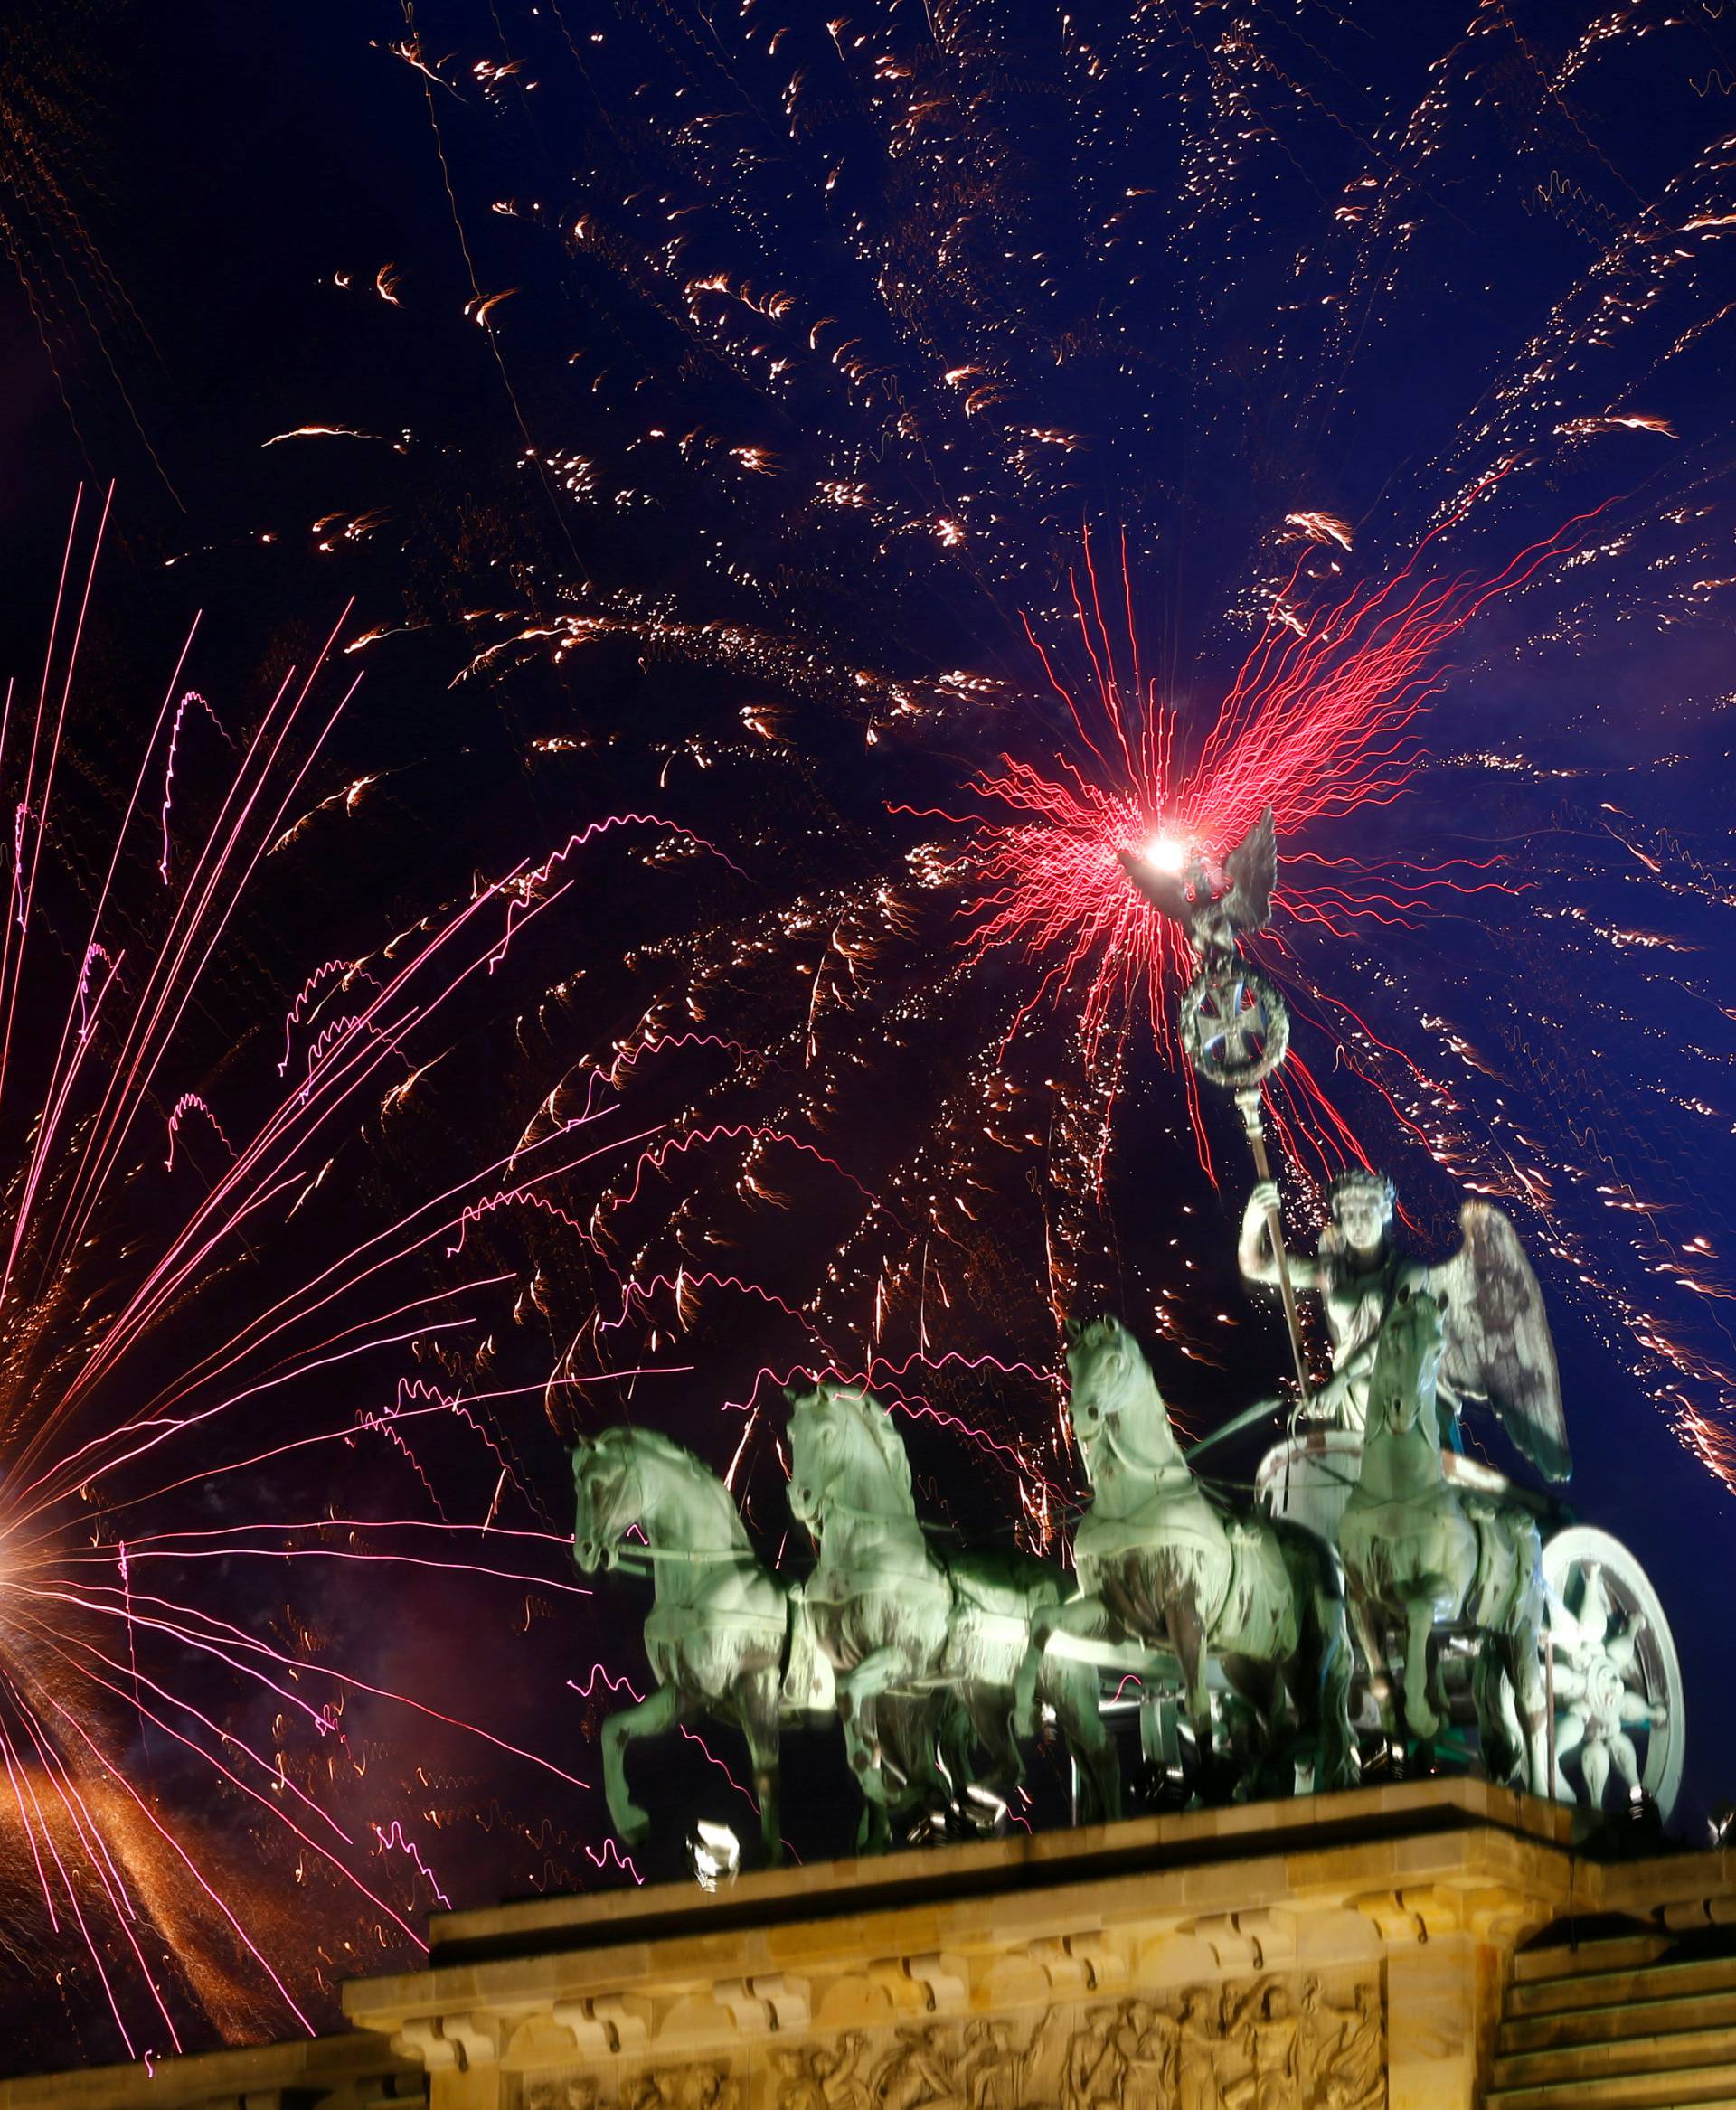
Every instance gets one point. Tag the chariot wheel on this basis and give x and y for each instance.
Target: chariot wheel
(1619, 1715)
(1235, 1026)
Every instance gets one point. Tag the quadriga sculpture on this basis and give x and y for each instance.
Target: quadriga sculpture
(1160, 1562)
(1417, 1551)
(905, 1630)
(715, 1635)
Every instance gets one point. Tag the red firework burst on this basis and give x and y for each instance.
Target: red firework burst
(1317, 724)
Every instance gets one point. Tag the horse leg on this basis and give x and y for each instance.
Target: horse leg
(982, 1757)
(1319, 1678)
(1365, 1626)
(961, 1732)
(857, 1689)
(1081, 1619)
(667, 1706)
(1003, 1769)
(1072, 1690)
(915, 1733)
(1257, 1685)
(1531, 1697)
(1091, 1744)
(757, 1703)
(1419, 1717)
(1339, 1765)
(1493, 1674)
(1186, 1633)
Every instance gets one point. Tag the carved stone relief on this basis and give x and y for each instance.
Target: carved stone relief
(1272, 2042)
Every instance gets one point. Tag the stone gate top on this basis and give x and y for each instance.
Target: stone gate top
(1350, 1951)
(1442, 1944)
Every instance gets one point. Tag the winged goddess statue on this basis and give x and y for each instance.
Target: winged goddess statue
(1498, 1350)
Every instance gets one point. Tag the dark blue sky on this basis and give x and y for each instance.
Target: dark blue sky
(814, 353)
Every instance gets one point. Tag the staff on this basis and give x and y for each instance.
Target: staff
(1248, 1105)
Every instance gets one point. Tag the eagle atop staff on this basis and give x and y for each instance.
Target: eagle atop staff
(1214, 908)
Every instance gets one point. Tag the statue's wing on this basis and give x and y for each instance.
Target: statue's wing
(1498, 1346)
(1251, 871)
(1165, 891)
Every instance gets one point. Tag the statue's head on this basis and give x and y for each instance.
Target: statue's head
(606, 1497)
(1407, 1359)
(1363, 1204)
(840, 1436)
(815, 1435)
(1110, 1374)
(1100, 1355)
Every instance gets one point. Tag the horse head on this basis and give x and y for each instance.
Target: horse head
(1406, 1362)
(608, 1498)
(629, 1477)
(845, 1454)
(1114, 1403)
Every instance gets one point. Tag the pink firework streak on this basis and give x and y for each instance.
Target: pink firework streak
(127, 1393)
(1318, 723)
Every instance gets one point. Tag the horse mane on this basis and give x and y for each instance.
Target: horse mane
(1104, 1333)
(877, 1422)
(1110, 1333)
(625, 1436)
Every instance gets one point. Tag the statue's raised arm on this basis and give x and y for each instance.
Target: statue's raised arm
(1255, 1254)
(1354, 1275)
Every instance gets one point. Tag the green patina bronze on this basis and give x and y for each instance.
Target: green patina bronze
(1420, 1553)
(1162, 1562)
(717, 1634)
(937, 1661)
(926, 1648)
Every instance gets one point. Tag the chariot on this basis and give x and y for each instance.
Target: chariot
(1617, 1717)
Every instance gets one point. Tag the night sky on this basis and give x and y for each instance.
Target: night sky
(695, 426)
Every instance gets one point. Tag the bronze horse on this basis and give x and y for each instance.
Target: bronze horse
(905, 1630)
(1160, 1562)
(1418, 1551)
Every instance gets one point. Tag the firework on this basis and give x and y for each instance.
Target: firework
(809, 352)
(1317, 723)
(837, 388)
(193, 1330)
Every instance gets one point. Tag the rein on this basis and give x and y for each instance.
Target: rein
(856, 1583)
(644, 1557)
(829, 1504)
(697, 1555)
(1108, 1427)
(851, 1584)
